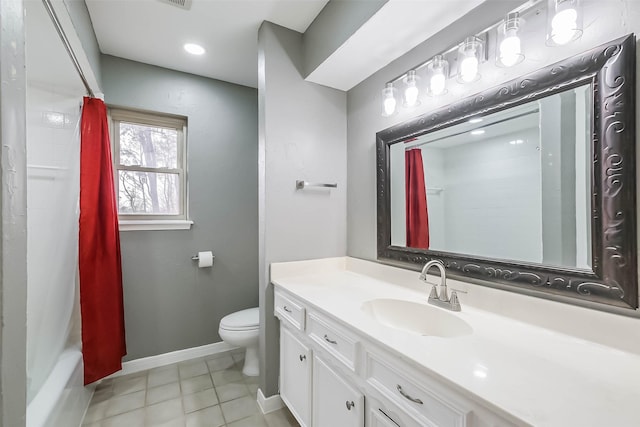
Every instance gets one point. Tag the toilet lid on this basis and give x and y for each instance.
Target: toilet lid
(241, 320)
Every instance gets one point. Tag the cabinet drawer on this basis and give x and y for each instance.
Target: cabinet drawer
(335, 339)
(379, 415)
(406, 392)
(286, 309)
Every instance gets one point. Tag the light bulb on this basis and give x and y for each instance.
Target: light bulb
(510, 51)
(411, 95)
(510, 47)
(389, 106)
(437, 84)
(388, 100)
(563, 26)
(411, 90)
(437, 73)
(469, 68)
(469, 54)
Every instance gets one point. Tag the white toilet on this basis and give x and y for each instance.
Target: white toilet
(241, 329)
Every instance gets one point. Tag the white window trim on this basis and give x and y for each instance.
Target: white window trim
(135, 222)
(154, 224)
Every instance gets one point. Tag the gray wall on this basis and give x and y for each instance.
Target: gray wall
(79, 14)
(170, 304)
(302, 136)
(13, 230)
(333, 26)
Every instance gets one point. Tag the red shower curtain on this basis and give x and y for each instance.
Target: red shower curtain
(101, 305)
(416, 201)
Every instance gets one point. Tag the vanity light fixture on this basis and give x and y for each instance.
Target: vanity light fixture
(411, 90)
(469, 54)
(194, 49)
(564, 21)
(388, 100)
(477, 132)
(516, 142)
(509, 52)
(437, 73)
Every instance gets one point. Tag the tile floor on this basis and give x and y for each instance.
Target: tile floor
(209, 392)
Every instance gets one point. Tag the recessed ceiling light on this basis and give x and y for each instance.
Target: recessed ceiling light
(477, 132)
(480, 371)
(475, 120)
(194, 49)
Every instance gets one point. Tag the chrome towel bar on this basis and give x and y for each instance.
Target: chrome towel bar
(302, 184)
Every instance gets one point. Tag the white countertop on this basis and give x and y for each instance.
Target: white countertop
(538, 375)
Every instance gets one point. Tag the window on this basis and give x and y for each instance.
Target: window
(149, 152)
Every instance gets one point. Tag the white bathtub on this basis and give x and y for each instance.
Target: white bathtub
(63, 399)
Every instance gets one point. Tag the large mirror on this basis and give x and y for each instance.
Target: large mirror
(530, 185)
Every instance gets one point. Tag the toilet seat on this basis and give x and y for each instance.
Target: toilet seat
(244, 320)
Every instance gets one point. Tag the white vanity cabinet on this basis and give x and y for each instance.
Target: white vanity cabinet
(296, 359)
(295, 376)
(335, 401)
(331, 376)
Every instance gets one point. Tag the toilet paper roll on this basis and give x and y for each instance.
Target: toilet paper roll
(205, 259)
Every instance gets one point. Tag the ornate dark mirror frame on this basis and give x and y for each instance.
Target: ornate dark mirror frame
(610, 69)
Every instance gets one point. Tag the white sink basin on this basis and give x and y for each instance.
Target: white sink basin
(418, 318)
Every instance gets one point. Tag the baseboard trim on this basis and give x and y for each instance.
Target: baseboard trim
(138, 365)
(269, 404)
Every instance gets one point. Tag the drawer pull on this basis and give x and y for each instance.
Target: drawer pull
(350, 405)
(303, 357)
(286, 309)
(327, 339)
(406, 396)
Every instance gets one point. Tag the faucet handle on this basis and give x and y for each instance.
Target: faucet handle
(454, 303)
(453, 299)
(433, 295)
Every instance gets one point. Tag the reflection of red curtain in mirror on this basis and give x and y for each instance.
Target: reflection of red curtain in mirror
(416, 201)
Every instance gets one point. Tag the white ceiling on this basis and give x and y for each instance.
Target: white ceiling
(153, 32)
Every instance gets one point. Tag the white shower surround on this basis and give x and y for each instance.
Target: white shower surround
(55, 391)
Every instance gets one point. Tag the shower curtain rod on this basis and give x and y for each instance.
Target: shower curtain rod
(67, 45)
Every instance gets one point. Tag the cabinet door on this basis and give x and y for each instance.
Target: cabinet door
(335, 402)
(379, 416)
(295, 376)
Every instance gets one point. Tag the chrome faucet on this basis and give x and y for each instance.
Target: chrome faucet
(441, 299)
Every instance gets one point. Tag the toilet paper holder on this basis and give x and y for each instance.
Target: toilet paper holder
(197, 258)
